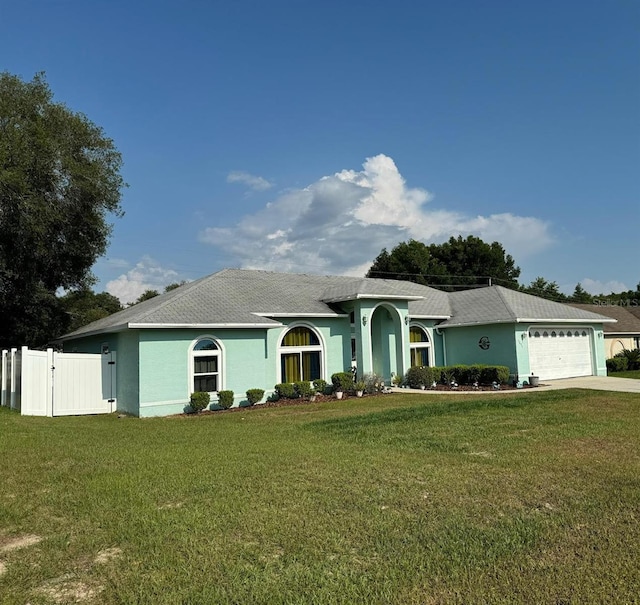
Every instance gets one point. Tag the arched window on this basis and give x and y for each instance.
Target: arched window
(300, 355)
(206, 366)
(419, 345)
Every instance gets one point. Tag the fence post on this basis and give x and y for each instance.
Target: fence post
(50, 378)
(3, 391)
(12, 393)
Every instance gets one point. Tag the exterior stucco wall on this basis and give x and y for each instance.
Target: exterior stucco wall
(615, 344)
(128, 372)
(463, 345)
(249, 359)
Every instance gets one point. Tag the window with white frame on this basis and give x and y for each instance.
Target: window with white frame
(419, 345)
(300, 355)
(206, 366)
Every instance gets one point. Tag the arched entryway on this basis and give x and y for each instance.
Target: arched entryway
(386, 342)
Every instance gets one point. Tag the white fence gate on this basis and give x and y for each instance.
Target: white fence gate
(46, 383)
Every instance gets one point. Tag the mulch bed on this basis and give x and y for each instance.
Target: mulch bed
(283, 402)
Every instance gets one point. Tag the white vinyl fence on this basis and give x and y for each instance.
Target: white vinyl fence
(46, 383)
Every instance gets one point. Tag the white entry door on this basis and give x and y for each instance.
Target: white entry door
(560, 352)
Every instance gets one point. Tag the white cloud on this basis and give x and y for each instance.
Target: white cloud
(340, 223)
(593, 286)
(257, 183)
(146, 275)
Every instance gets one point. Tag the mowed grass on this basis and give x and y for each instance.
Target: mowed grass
(627, 374)
(407, 499)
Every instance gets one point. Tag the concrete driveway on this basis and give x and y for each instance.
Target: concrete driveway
(599, 383)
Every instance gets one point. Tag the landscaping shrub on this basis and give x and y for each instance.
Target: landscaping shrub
(320, 385)
(342, 381)
(419, 376)
(225, 399)
(303, 388)
(461, 374)
(199, 401)
(372, 382)
(254, 395)
(633, 358)
(617, 364)
(285, 390)
(491, 374)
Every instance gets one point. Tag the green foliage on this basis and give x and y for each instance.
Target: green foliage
(360, 385)
(410, 261)
(633, 358)
(225, 399)
(342, 381)
(254, 395)
(580, 295)
(199, 401)
(491, 374)
(320, 385)
(303, 388)
(286, 390)
(59, 181)
(462, 374)
(174, 285)
(419, 376)
(617, 364)
(146, 295)
(83, 306)
(544, 289)
(458, 261)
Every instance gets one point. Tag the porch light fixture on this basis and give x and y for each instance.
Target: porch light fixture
(406, 320)
(364, 320)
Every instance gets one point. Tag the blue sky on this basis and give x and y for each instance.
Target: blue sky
(306, 136)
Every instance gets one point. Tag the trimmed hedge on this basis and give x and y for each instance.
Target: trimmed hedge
(199, 401)
(285, 390)
(462, 374)
(254, 395)
(225, 399)
(342, 381)
(303, 388)
(617, 364)
(320, 385)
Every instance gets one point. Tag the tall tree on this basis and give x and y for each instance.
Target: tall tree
(84, 306)
(544, 289)
(59, 183)
(580, 295)
(457, 262)
(411, 261)
(472, 261)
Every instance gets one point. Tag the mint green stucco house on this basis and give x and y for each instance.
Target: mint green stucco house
(242, 329)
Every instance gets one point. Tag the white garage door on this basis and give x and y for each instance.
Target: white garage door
(560, 352)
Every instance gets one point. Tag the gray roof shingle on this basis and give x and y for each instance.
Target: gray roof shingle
(627, 322)
(496, 304)
(247, 298)
(238, 297)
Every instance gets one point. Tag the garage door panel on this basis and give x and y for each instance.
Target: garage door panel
(554, 354)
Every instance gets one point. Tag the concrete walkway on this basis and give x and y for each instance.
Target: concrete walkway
(599, 383)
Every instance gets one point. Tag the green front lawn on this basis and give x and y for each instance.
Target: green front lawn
(407, 499)
(627, 374)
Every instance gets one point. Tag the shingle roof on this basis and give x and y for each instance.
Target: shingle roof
(627, 322)
(246, 298)
(237, 297)
(497, 304)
